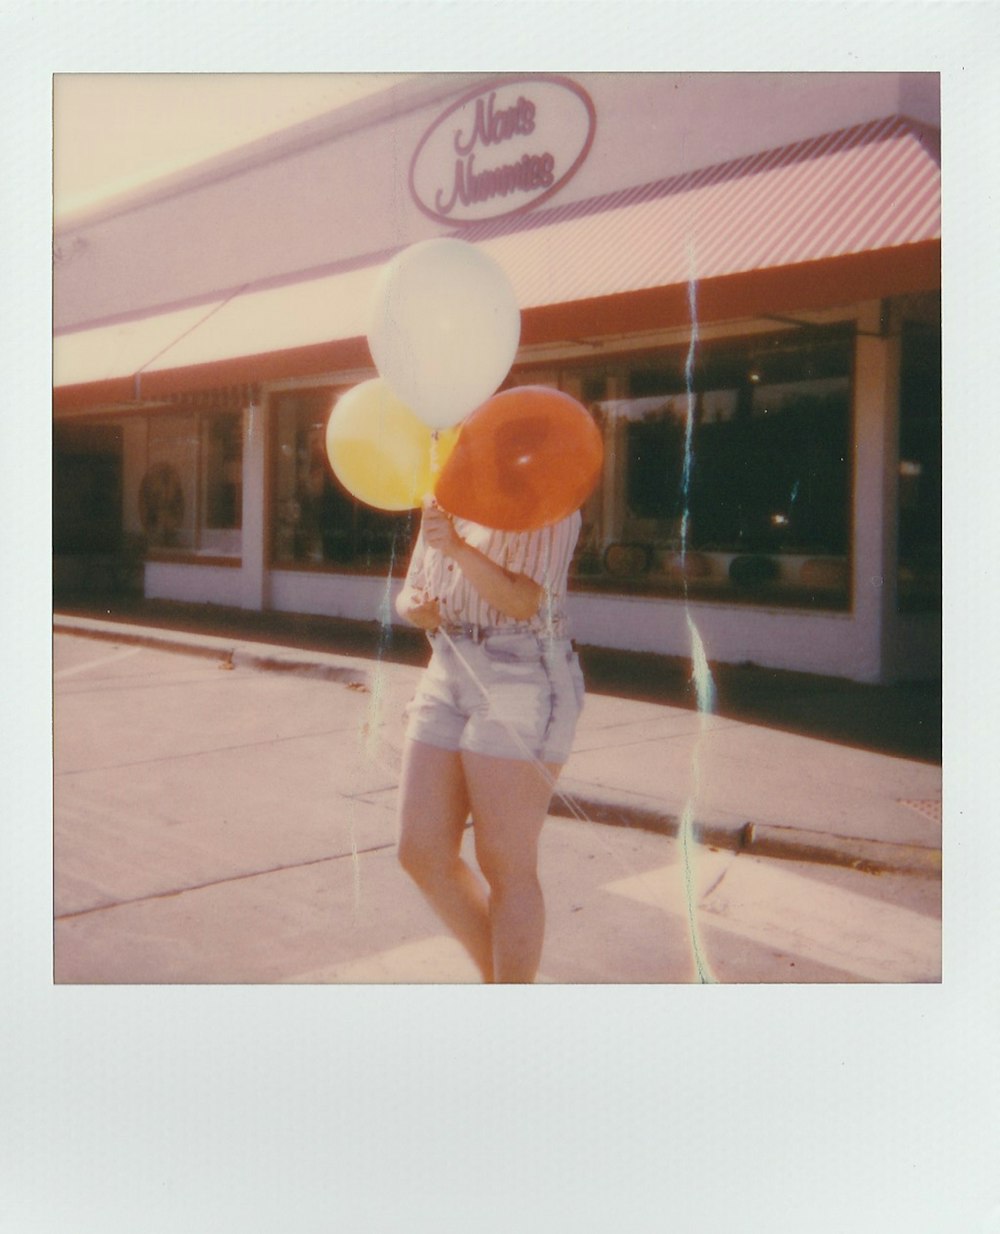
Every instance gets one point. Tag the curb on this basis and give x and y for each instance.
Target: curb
(264, 657)
(758, 839)
(641, 813)
(870, 856)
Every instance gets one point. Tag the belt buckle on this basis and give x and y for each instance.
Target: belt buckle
(463, 629)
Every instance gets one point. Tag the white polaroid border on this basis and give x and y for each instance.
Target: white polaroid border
(318, 1108)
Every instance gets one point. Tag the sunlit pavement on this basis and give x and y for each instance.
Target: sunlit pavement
(218, 823)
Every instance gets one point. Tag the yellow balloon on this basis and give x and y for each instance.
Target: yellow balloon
(381, 452)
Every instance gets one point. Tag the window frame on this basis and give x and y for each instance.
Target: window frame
(201, 551)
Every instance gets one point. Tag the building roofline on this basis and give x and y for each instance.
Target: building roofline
(608, 202)
(419, 90)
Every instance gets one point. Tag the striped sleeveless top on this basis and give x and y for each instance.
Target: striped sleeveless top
(544, 556)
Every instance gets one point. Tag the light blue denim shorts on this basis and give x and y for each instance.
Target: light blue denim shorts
(507, 693)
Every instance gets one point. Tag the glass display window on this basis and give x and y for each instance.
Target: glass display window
(728, 477)
(168, 493)
(190, 496)
(920, 467)
(315, 522)
(221, 478)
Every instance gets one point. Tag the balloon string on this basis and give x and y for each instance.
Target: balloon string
(518, 739)
(435, 458)
(575, 809)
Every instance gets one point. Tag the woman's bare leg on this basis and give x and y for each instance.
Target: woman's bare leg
(433, 808)
(510, 799)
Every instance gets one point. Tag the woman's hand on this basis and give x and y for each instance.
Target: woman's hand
(515, 595)
(418, 609)
(439, 531)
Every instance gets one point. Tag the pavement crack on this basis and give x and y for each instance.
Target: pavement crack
(222, 882)
(168, 758)
(713, 886)
(113, 685)
(583, 747)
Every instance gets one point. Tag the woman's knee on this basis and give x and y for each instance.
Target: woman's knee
(506, 867)
(411, 854)
(423, 860)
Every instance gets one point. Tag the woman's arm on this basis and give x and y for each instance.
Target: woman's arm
(412, 602)
(514, 595)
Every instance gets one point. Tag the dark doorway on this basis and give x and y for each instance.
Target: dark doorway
(88, 543)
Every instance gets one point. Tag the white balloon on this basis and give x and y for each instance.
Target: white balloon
(444, 329)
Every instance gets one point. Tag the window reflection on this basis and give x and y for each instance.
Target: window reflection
(190, 496)
(167, 493)
(920, 474)
(314, 521)
(760, 507)
(761, 510)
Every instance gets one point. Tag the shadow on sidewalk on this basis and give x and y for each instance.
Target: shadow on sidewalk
(903, 720)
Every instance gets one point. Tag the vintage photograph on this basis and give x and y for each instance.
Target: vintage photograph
(497, 528)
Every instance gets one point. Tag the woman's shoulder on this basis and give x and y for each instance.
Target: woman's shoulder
(570, 524)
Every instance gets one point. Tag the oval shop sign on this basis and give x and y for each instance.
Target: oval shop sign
(502, 149)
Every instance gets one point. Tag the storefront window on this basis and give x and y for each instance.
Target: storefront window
(222, 481)
(190, 497)
(754, 501)
(920, 481)
(314, 521)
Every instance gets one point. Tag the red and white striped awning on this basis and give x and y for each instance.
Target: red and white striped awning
(873, 189)
(875, 186)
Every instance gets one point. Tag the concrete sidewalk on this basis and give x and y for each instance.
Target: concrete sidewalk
(643, 765)
(225, 813)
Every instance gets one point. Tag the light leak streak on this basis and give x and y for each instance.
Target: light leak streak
(704, 685)
(792, 499)
(356, 869)
(378, 688)
(371, 730)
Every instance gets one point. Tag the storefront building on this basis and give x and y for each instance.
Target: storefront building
(738, 275)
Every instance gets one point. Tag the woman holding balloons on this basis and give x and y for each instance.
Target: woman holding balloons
(489, 729)
(501, 480)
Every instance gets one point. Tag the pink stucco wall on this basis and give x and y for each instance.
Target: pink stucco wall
(337, 189)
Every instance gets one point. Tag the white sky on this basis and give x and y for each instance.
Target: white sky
(113, 132)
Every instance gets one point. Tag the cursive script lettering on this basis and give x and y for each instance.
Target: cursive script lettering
(491, 126)
(501, 149)
(531, 172)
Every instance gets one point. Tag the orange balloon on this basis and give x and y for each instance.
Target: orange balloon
(526, 458)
